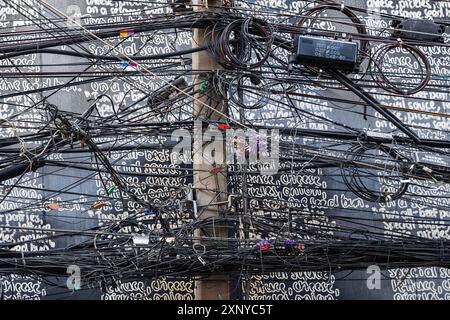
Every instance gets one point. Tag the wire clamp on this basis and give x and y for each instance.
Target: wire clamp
(199, 253)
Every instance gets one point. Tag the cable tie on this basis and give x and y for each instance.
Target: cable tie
(140, 239)
(170, 239)
(126, 33)
(194, 207)
(128, 66)
(98, 205)
(199, 255)
(23, 259)
(53, 206)
(215, 170)
(263, 245)
(203, 262)
(301, 247)
(289, 243)
(203, 86)
(427, 169)
(148, 211)
(109, 190)
(223, 126)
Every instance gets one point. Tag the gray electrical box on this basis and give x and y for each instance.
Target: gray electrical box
(320, 52)
(433, 160)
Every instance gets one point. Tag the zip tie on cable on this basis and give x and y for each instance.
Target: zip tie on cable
(427, 169)
(23, 259)
(199, 254)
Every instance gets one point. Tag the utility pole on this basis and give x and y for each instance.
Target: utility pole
(210, 185)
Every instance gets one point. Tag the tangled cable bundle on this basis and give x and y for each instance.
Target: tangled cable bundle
(311, 14)
(118, 189)
(357, 179)
(243, 44)
(248, 91)
(420, 63)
